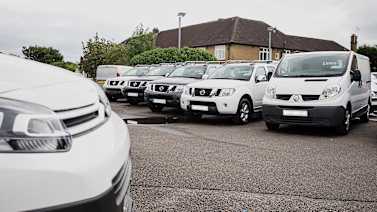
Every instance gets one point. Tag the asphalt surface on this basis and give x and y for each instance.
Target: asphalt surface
(212, 165)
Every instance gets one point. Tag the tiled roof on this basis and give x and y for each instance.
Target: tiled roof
(241, 31)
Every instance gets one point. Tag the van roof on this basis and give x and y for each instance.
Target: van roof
(113, 66)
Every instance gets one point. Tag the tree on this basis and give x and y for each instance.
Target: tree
(371, 52)
(99, 51)
(142, 40)
(66, 65)
(171, 55)
(47, 55)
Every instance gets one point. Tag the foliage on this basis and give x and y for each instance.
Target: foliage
(142, 40)
(66, 65)
(99, 51)
(171, 55)
(371, 52)
(42, 54)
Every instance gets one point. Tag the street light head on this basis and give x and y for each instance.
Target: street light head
(271, 29)
(181, 14)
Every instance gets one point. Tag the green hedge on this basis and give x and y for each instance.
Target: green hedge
(171, 55)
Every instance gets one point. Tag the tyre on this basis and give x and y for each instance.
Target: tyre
(344, 127)
(133, 102)
(155, 107)
(244, 112)
(365, 117)
(272, 126)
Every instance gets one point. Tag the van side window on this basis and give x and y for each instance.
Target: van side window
(354, 65)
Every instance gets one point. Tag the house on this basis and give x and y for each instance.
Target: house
(242, 39)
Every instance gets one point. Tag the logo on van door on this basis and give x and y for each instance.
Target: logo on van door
(296, 98)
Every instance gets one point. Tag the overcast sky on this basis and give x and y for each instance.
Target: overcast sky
(65, 24)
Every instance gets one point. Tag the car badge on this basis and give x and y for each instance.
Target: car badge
(202, 92)
(296, 98)
(161, 88)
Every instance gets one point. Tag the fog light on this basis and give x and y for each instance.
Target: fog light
(225, 105)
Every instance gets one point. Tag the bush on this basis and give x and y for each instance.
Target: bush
(66, 65)
(171, 55)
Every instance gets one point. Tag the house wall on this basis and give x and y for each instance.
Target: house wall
(243, 52)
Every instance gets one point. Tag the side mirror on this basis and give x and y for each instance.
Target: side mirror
(269, 75)
(261, 78)
(205, 76)
(355, 76)
(167, 74)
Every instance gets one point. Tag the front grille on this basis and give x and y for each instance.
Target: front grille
(286, 97)
(113, 89)
(121, 182)
(80, 119)
(283, 96)
(161, 88)
(202, 92)
(310, 97)
(114, 83)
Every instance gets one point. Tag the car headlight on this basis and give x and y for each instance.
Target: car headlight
(179, 88)
(103, 100)
(29, 128)
(149, 86)
(270, 92)
(227, 91)
(330, 92)
(186, 90)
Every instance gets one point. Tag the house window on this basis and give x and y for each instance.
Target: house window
(277, 56)
(264, 54)
(220, 52)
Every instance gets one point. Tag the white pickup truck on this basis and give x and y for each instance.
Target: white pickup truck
(235, 89)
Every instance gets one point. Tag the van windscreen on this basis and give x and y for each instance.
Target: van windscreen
(313, 65)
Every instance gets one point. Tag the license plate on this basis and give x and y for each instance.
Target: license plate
(159, 101)
(300, 113)
(133, 94)
(199, 107)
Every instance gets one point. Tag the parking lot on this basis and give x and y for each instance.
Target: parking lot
(190, 164)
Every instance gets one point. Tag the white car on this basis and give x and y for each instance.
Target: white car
(234, 89)
(61, 147)
(113, 87)
(374, 92)
(319, 88)
(105, 72)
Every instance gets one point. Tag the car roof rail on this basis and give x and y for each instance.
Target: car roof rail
(220, 62)
(239, 61)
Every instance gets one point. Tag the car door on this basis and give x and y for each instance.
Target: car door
(260, 83)
(356, 91)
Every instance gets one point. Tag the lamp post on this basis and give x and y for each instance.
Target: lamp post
(270, 31)
(180, 16)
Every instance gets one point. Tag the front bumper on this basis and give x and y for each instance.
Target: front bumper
(138, 93)
(329, 116)
(113, 92)
(172, 98)
(216, 105)
(78, 179)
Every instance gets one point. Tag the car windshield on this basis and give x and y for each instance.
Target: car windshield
(161, 71)
(189, 72)
(313, 65)
(211, 69)
(234, 72)
(139, 71)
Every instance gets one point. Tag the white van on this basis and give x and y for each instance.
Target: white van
(319, 88)
(61, 146)
(105, 72)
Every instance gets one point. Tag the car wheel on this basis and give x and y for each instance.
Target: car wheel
(344, 127)
(365, 117)
(244, 112)
(272, 126)
(155, 107)
(133, 102)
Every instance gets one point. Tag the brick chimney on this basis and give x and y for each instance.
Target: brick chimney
(354, 42)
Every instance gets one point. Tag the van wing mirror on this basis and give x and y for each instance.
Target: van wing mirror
(356, 76)
(269, 75)
(205, 76)
(167, 74)
(261, 78)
